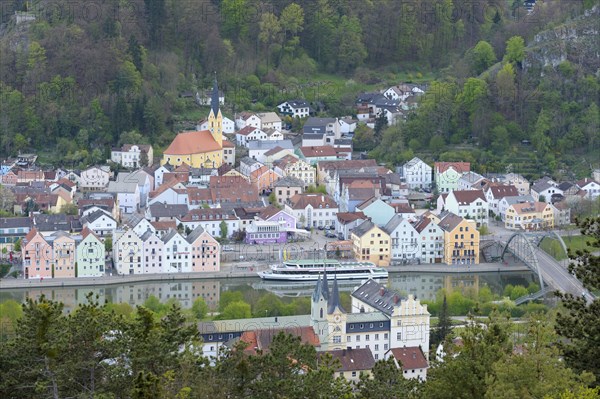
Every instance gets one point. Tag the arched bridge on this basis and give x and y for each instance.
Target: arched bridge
(526, 247)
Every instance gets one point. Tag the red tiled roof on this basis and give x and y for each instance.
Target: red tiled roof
(349, 217)
(359, 359)
(318, 151)
(461, 167)
(501, 191)
(529, 207)
(410, 358)
(261, 339)
(228, 144)
(164, 225)
(188, 143)
(301, 201)
(468, 196)
(246, 130)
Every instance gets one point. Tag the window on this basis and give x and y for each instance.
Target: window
(398, 336)
(376, 337)
(367, 337)
(358, 338)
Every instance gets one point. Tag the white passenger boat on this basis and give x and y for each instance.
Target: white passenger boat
(309, 270)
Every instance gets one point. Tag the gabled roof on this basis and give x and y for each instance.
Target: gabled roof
(501, 190)
(92, 217)
(465, 197)
(366, 203)
(301, 201)
(518, 198)
(247, 130)
(410, 358)
(274, 151)
(363, 228)
(12, 223)
(584, 182)
(318, 151)
(377, 296)
(289, 181)
(542, 186)
(158, 210)
(529, 207)
(349, 217)
(449, 221)
(193, 236)
(269, 117)
(262, 339)
(393, 223)
(296, 103)
(192, 143)
(421, 224)
(164, 225)
(460, 167)
(358, 359)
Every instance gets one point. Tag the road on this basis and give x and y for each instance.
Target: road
(556, 275)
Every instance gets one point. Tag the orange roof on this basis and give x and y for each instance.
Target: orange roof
(461, 167)
(32, 233)
(164, 225)
(410, 358)
(261, 339)
(228, 144)
(188, 143)
(318, 151)
(529, 207)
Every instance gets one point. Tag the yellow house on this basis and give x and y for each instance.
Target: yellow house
(529, 216)
(200, 148)
(461, 240)
(371, 243)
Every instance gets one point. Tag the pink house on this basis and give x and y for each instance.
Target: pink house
(206, 251)
(37, 256)
(64, 255)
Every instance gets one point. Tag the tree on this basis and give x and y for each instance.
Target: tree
(351, 49)
(143, 159)
(236, 310)
(471, 363)
(199, 308)
(444, 327)
(270, 32)
(481, 56)
(17, 246)
(387, 382)
(223, 230)
(7, 199)
(515, 50)
(108, 244)
(539, 372)
(577, 320)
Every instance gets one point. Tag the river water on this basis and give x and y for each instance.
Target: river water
(422, 285)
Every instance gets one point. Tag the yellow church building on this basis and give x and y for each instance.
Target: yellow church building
(200, 148)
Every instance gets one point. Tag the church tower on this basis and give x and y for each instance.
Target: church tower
(215, 117)
(318, 307)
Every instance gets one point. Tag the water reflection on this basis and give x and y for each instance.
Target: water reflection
(421, 285)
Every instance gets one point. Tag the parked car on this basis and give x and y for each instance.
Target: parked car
(340, 236)
(330, 235)
(321, 227)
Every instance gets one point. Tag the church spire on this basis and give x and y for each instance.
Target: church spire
(324, 285)
(214, 99)
(334, 299)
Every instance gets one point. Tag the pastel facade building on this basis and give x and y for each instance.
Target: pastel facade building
(91, 255)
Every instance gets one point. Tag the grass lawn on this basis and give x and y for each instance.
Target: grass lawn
(574, 243)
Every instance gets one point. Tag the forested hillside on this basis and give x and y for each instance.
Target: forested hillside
(84, 76)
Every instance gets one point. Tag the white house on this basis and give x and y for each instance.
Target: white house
(128, 195)
(431, 239)
(210, 220)
(270, 120)
(416, 174)
(469, 204)
(294, 108)
(470, 181)
(495, 192)
(411, 360)
(312, 210)
(273, 134)
(139, 224)
(127, 252)
(347, 125)
(176, 195)
(94, 178)
(249, 133)
(90, 255)
(291, 165)
(346, 221)
(402, 92)
(249, 165)
(591, 187)
(246, 119)
(130, 155)
(143, 179)
(544, 190)
(177, 253)
(257, 149)
(404, 245)
(152, 253)
(102, 224)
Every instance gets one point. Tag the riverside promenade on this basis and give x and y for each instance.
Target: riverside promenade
(240, 270)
